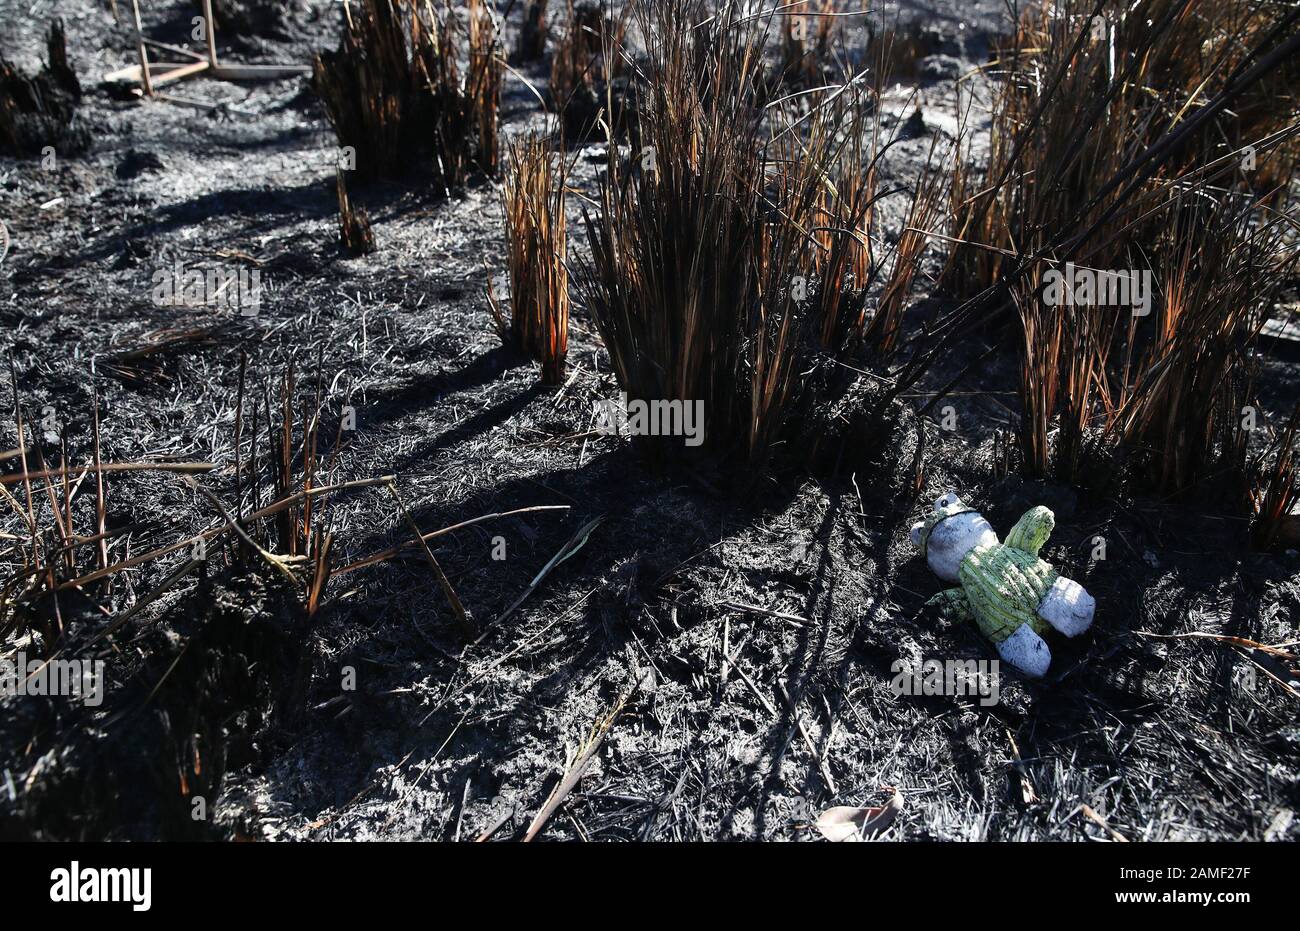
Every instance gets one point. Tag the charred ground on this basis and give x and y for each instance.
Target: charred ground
(735, 721)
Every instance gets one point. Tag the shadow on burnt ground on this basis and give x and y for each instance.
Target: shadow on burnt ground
(614, 574)
(1114, 677)
(248, 213)
(810, 645)
(656, 523)
(260, 211)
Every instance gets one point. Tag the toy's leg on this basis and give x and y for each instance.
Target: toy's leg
(952, 605)
(1032, 530)
(1025, 650)
(1068, 607)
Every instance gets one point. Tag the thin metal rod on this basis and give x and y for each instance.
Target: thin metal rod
(144, 56)
(211, 27)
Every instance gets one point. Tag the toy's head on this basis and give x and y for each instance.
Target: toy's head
(949, 532)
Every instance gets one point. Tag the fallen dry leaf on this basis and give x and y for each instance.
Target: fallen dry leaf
(847, 823)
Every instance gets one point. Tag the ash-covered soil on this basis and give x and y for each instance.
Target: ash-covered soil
(745, 637)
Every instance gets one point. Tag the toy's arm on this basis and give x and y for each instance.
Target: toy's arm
(952, 605)
(1032, 530)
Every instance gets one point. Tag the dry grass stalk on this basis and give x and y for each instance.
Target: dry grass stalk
(586, 61)
(530, 43)
(577, 766)
(923, 216)
(1276, 494)
(482, 92)
(355, 234)
(64, 472)
(806, 32)
(464, 620)
(536, 251)
(674, 248)
(843, 262)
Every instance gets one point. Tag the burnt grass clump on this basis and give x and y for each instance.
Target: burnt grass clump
(414, 90)
(40, 111)
(730, 620)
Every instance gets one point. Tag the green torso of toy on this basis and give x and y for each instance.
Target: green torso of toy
(1004, 586)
